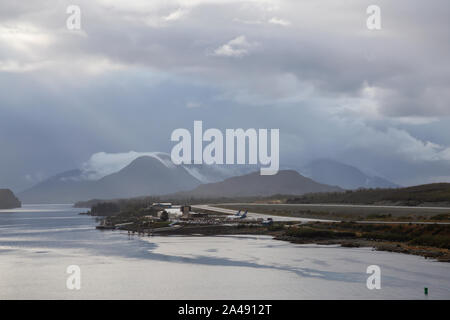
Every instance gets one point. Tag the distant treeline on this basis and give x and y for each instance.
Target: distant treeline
(146, 201)
(122, 208)
(436, 193)
(121, 204)
(105, 209)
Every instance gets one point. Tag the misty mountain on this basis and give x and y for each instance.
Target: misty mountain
(143, 176)
(345, 176)
(287, 182)
(8, 200)
(155, 174)
(209, 173)
(147, 176)
(61, 188)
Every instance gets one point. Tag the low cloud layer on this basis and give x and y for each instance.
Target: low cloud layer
(101, 164)
(139, 69)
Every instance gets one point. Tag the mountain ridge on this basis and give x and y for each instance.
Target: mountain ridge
(136, 179)
(288, 182)
(155, 175)
(346, 176)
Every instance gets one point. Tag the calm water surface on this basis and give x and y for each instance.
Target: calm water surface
(37, 243)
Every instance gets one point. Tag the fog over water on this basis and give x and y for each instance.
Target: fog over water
(37, 243)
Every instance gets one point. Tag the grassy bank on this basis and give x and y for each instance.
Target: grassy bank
(435, 194)
(346, 213)
(425, 240)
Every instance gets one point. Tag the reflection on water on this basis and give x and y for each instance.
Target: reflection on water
(38, 243)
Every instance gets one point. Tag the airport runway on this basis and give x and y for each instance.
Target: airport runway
(306, 205)
(257, 215)
(285, 218)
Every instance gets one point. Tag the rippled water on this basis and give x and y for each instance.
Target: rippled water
(37, 243)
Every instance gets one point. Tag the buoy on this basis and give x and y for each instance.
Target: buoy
(425, 290)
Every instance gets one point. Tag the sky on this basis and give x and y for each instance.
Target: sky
(136, 70)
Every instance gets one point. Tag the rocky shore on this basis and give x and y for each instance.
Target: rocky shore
(8, 200)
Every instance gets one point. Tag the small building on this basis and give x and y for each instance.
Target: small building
(185, 210)
(173, 213)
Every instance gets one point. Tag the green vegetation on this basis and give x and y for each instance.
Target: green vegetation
(436, 193)
(304, 232)
(164, 216)
(350, 213)
(136, 220)
(123, 204)
(132, 213)
(277, 198)
(105, 209)
(441, 217)
(276, 227)
(379, 216)
(432, 235)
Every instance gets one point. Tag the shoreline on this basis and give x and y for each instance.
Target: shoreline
(428, 252)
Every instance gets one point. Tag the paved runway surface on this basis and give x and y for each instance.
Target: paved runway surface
(285, 218)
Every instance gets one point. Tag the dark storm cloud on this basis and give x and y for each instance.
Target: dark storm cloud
(139, 69)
